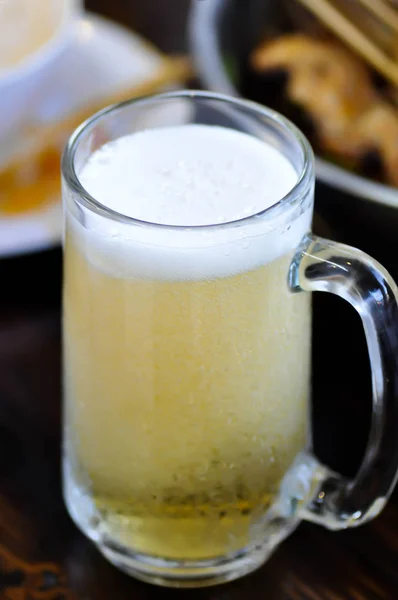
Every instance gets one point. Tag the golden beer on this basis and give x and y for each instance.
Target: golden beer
(186, 401)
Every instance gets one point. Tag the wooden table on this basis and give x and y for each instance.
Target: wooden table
(42, 554)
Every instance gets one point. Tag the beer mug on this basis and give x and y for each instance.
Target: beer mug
(187, 444)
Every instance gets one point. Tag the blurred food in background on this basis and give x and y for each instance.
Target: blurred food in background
(346, 108)
(348, 116)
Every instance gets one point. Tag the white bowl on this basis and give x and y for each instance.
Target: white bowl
(20, 83)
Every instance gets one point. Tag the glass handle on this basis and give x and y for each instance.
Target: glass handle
(324, 266)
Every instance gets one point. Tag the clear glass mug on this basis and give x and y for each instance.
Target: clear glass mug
(187, 448)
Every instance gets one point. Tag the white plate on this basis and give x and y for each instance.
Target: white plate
(103, 56)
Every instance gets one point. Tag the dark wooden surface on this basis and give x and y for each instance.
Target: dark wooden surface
(43, 556)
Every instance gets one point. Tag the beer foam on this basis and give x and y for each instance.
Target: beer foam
(189, 176)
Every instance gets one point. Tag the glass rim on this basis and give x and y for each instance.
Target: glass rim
(91, 203)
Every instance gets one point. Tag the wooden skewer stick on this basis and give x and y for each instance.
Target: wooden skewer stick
(354, 37)
(385, 12)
